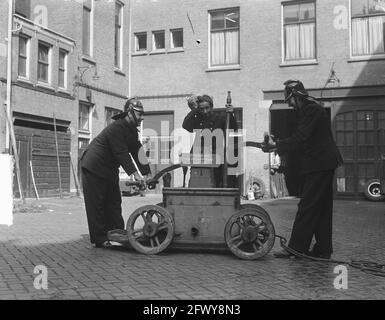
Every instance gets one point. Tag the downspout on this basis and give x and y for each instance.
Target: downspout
(9, 74)
(129, 47)
(130, 61)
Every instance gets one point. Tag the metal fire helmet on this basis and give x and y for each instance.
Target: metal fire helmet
(131, 105)
(294, 87)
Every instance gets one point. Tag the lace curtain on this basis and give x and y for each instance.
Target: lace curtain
(368, 35)
(300, 41)
(225, 47)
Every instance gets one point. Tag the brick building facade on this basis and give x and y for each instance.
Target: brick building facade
(68, 67)
(66, 63)
(251, 47)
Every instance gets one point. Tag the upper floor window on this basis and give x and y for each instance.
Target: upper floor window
(109, 113)
(43, 68)
(140, 41)
(118, 34)
(62, 70)
(176, 38)
(299, 27)
(23, 69)
(368, 18)
(224, 37)
(84, 116)
(158, 40)
(23, 8)
(87, 28)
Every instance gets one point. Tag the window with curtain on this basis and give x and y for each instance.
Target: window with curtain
(109, 113)
(118, 34)
(62, 72)
(84, 117)
(224, 37)
(43, 62)
(176, 38)
(140, 41)
(23, 56)
(367, 28)
(23, 8)
(299, 28)
(158, 40)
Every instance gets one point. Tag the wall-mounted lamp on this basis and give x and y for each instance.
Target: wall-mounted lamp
(332, 79)
(332, 76)
(83, 70)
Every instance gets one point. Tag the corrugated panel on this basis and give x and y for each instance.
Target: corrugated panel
(40, 147)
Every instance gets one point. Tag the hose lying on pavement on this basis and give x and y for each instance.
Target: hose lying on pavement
(369, 267)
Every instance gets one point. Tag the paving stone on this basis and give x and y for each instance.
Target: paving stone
(76, 270)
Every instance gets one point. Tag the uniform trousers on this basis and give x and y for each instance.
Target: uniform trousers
(103, 202)
(315, 214)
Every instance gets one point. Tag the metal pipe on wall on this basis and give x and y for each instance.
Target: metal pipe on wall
(9, 73)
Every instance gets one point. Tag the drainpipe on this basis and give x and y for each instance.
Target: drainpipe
(9, 73)
(129, 46)
(130, 61)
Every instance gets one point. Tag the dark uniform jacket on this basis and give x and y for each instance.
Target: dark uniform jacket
(195, 121)
(112, 148)
(314, 134)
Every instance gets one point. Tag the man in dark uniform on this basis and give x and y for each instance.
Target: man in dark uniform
(320, 159)
(202, 117)
(100, 163)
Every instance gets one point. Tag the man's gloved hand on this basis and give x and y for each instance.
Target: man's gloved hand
(192, 102)
(148, 177)
(139, 178)
(269, 144)
(229, 108)
(269, 147)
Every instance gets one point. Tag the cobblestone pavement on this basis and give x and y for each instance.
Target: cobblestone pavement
(53, 233)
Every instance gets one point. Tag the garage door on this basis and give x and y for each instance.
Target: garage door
(37, 147)
(360, 138)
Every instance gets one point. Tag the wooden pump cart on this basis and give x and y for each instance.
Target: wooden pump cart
(199, 217)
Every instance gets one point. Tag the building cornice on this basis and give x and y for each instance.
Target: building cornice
(43, 30)
(166, 96)
(41, 89)
(105, 91)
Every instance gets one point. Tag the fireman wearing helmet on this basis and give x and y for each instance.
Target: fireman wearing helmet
(100, 163)
(320, 159)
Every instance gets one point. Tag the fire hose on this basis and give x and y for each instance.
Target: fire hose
(369, 267)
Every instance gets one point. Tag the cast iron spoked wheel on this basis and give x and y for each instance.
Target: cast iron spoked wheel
(257, 208)
(249, 234)
(372, 190)
(150, 229)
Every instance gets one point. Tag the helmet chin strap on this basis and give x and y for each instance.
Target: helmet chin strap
(134, 117)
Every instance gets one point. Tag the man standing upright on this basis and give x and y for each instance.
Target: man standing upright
(100, 163)
(320, 159)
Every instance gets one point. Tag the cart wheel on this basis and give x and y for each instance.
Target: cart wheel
(257, 208)
(372, 190)
(258, 186)
(150, 229)
(249, 234)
